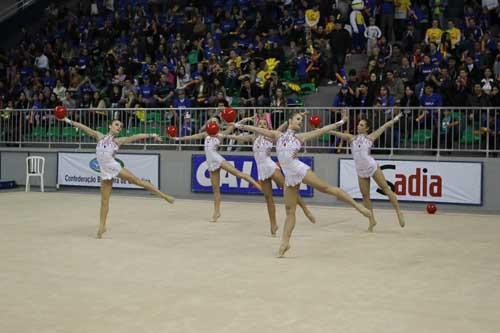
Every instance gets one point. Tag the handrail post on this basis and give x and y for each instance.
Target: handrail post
(392, 136)
(305, 127)
(438, 143)
(488, 133)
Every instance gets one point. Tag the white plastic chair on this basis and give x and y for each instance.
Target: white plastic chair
(35, 166)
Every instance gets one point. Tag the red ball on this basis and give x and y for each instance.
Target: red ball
(60, 112)
(172, 131)
(431, 208)
(229, 115)
(212, 128)
(315, 121)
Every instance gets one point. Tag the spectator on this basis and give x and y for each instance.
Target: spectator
(473, 30)
(495, 97)
(433, 34)
(278, 103)
(409, 39)
(248, 93)
(344, 98)
(395, 85)
(454, 33)
(362, 97)
(444, 83)
(340, 44)
(301, 66)
(490, 130)
(400, 17)
(22, 102)
(426, 69)
(372, 34)
(472, 71)
(478, 97)
(180, 103)
(462, 88)
(387, 10)
(201, 91)
(60, 90)
(432, 100)
(450, 124)
(496, 67)
(373, 84)
(437, 10)
(98, 104)
(405, 72)
(146, 92)
(68, 101)
(183, 78)
(41, 61)
(386, 99)
(409, 99)
(488, 81)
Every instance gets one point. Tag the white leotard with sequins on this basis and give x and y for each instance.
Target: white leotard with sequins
(262, 154)
(105, 152)
(214, 159)
(287, 147)
(364, 163)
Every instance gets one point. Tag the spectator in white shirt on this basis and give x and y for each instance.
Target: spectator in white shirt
(60, 90)
(42, 62)
(372, 34)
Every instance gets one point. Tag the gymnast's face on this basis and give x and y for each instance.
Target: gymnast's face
(363, 127)
(262, 124)
(295, 123)
(115, 127)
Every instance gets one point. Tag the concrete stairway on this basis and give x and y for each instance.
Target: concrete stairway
(326, 94)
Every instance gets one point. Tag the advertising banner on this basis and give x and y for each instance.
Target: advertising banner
(200, 176)
(82, 169)
(424, 181)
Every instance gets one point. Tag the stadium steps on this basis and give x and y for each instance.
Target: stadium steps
(326, 93)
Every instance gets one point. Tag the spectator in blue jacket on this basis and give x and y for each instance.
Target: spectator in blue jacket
(146, 92)
(432, 100)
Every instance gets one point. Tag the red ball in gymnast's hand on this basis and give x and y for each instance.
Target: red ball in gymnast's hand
(315, 121)
(172, 131)
(212, 128)
(431, 208)
(60, 112)
(229, 115)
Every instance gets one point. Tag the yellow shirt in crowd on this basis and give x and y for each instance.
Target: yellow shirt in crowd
(312, 17)
(454, 36)
(402, 7)
(433, 35)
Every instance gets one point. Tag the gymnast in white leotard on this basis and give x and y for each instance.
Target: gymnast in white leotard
(214, 159)
(215, 162)
(367, 167)
(267, 170)
(105, 153)
(106, 148)
(288, 145)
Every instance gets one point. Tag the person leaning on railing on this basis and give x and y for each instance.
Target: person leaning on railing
(449, 127)
(490, 130)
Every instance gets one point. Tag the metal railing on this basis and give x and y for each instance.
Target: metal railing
(429, 130)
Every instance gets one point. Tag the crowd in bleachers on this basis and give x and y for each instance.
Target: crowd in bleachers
(160, 53)
(458, 58)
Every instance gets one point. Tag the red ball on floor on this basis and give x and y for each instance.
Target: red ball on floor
(431, 208)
